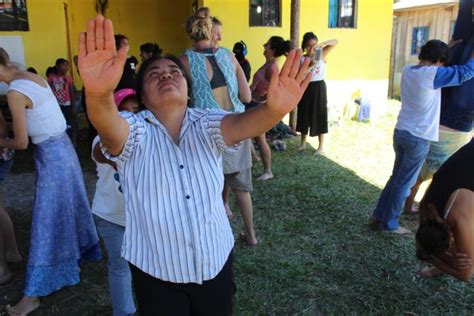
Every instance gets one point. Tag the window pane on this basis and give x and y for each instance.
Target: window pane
(264, 13)
(256, 16)
(420, 37)
(333, 13)
(346, 17)
(271, 12)
(342, 13)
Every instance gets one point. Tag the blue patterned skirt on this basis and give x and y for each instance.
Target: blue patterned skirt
(62, 229)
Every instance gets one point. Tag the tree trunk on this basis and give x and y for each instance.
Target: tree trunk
(295, 35)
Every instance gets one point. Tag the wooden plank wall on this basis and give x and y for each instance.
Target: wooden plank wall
(439, 19)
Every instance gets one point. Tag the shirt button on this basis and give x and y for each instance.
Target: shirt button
(188, 197)
(181, 167)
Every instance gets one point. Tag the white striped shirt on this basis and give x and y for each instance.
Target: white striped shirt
(176, 225)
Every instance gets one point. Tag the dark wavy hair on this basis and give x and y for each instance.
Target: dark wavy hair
(118, 39)
(152, 48)
(434, 51)
(60, 61)
(280, 46)
(147, 63)
(306, 38)
(433, 237)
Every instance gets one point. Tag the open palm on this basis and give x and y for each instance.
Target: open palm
(100, 65)
(287, 88)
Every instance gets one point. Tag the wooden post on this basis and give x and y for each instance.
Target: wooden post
(294, 37)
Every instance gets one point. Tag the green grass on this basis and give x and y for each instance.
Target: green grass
(316, 254)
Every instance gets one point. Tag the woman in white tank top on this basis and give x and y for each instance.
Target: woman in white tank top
(62, 230)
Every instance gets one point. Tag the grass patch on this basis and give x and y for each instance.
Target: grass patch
(316, 255)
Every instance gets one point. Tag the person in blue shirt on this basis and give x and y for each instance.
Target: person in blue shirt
(417, 125)
(457, 106)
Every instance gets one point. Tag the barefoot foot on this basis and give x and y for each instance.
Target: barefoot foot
(228, 211)
(318, 152)
(399, 231)
(267, 175)
(302, 147)
(413, 210)
(24, 307)
(249, 240)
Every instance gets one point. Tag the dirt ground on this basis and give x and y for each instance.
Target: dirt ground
(90, 297)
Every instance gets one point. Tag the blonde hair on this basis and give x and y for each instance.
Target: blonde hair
(199, 26)
(4, 57)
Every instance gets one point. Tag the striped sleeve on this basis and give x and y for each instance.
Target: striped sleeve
(212, 123)
(136, 125)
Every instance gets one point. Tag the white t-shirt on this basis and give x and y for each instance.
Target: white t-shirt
(421, 102)
(45, 119)
(108, 202)
(319, 69)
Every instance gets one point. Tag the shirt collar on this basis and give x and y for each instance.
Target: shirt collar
(191, 115)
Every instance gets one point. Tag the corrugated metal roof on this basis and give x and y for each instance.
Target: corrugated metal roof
(410, 4)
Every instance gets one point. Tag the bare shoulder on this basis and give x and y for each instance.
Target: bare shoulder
(34, 77)
(462, 209)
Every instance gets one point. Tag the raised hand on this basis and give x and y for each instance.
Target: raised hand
(287, 88)
(100, 65)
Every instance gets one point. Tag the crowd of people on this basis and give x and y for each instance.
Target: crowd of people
(172, 138)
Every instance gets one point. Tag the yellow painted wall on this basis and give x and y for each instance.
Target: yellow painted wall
(358, 65)
(160, 21)
(46, 39)
(362, 55)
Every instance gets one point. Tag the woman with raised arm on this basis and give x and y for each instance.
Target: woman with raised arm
(312, 116)
(273, 49)
(169, 157)
(62, 230)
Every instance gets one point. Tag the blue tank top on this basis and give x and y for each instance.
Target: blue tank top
(201, 87)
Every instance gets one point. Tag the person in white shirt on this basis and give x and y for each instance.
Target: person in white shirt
(417, 125)
(177, 236)
(108, 207)
(62, 229)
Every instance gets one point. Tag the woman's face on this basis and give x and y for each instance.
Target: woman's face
(164, 83)
(129, 105)
(216, 35)
(63, 68)
(311, 46)
(267, 51)
(123, 42)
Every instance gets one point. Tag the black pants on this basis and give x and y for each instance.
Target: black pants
(157, 297)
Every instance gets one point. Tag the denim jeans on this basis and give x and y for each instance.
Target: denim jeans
(410, 153)
(120, 278)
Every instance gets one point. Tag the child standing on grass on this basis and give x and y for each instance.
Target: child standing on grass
(417, 125)
(63, 88)
(108, 208)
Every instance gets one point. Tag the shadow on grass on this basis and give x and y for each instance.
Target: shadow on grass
(316, 254)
